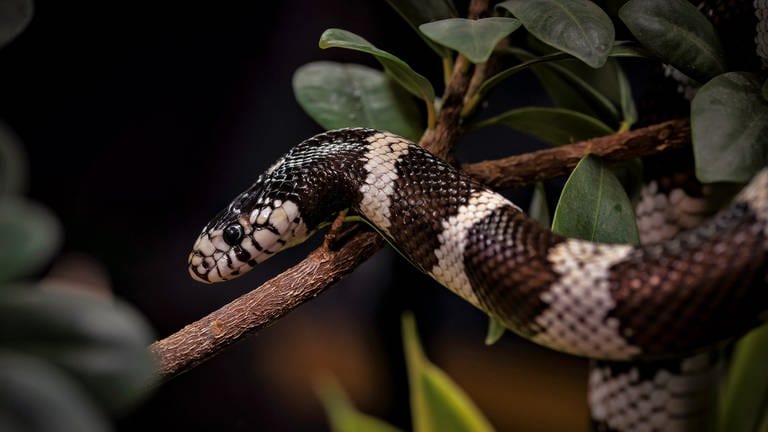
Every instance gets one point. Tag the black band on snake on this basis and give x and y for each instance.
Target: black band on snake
(607, 302)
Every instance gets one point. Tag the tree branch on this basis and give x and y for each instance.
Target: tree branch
(263, 306)
(546, 164)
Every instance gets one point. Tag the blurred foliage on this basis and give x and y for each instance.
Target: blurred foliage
(570, 47)
(68, 358)
(437, 403)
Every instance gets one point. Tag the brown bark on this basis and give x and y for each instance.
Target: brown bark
(546, 164)
(263, 306)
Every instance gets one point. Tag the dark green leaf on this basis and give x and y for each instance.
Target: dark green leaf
(424, 11)
(473, 38)
(396, 68)
(342, 414)
(628, 49)
(677, 33)
(35, 396)
(14, 17)
(729, 122)
(593, 206)
(29, 236)
(744, 399)
(102, 343)
(571, 127)
(342, 95)
(539, 210)
(437, 403)
(495, 331)
(570, 86)
(577, 27)
(13, 164)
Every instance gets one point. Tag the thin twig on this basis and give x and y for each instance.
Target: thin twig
(546, 164)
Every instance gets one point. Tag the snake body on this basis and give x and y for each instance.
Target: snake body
(607, 302)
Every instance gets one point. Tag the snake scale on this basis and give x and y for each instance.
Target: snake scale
(682, 296)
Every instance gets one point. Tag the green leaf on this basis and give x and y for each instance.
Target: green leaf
(677, 33)
(14, 18)
(36, 397)
(744, 398)
(437, 403)
(419, 12)
(593, 206)
(342, 414)
(102, 343)
(13, 163)
(628, 49)
(577, 27)
(729, 124)
(571, 127)
(539, 210)
(570, 86)
(396, 68)
(473, 38)
(342, 95)
(29, 236)
(495, 331)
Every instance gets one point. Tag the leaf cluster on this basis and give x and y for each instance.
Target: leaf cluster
(68, 358)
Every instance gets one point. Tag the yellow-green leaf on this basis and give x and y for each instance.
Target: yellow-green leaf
(343, 416)
(437, 403)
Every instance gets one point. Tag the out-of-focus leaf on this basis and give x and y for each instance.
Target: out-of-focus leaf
(13, 164)
(577, 27)
(539, 210)
(729, 124)
(677, 33)
(419, 12)
(495, 331)
(396, 68)
(593, 206)
(29, 236)
(102, 343)
(342, 95)
(571, 127)
(35, 396)
(626, 101)
(14, 17)
(744, 399)
(473, 38)
(765, 90)
(342, 414)
(437, 403)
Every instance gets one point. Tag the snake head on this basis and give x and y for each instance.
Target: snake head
(244, 234)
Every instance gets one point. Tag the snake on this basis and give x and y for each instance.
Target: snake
(608, 302)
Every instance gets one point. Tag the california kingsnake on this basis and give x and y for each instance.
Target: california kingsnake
(608, 302)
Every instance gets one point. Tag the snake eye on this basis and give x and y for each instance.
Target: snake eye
(233, 234)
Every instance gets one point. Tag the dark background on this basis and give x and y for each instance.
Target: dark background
(142, 119)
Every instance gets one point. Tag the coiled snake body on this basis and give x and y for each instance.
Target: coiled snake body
(607, 302)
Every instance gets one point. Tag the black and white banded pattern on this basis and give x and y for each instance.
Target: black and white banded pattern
(608, 302)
